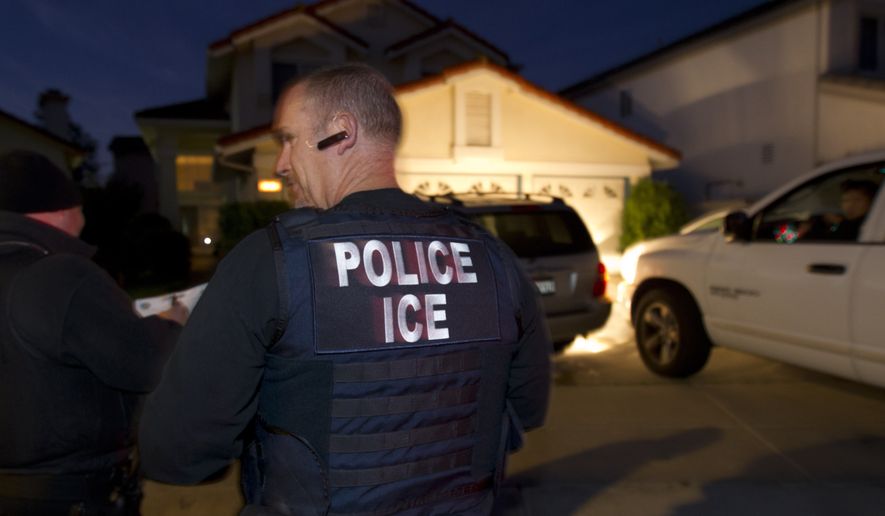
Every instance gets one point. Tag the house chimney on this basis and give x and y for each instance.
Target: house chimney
(54, 113)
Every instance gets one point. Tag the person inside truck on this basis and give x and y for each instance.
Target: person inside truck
(855, 201)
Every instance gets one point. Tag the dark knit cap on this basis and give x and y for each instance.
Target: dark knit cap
(30, 183)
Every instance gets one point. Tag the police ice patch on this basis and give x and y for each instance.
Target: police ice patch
(384, 292)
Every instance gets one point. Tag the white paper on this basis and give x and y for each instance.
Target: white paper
(147, 306)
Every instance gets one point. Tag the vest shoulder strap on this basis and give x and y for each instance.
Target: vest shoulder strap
(287, 224)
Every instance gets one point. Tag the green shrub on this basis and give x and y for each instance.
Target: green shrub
(239, 219)
(653, 209)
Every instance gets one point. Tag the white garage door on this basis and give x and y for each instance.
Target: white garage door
(437, 184)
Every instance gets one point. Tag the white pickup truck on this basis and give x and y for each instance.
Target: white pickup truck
(799, 277)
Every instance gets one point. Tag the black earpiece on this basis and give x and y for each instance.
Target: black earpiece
(331, 140)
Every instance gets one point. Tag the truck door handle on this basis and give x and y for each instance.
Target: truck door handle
(826, 268)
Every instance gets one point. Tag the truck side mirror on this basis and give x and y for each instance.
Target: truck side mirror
(737, 226)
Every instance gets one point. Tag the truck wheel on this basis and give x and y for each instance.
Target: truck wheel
(669, 333)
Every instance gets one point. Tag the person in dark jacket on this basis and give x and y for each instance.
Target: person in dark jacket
(74, 357)
(371, 355)
(855, 201)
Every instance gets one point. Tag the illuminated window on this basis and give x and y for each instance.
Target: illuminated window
(191, 170)
(479, 119)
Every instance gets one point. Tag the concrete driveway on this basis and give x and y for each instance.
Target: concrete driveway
(746, 436)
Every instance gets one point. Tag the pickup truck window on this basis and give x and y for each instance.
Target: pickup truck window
(831, 208)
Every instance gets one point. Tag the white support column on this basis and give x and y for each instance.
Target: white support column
(167, 179)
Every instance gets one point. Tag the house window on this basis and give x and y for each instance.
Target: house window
(626, 104)
(283, 74)
(868, 60)
(375, 15)
(192, 171)
(479, 119)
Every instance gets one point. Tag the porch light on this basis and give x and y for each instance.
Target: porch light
(207, 241)
(270, 185)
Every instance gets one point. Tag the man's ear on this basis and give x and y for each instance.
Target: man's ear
(347, 123)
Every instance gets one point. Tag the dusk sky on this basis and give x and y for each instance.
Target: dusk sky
(115, 57)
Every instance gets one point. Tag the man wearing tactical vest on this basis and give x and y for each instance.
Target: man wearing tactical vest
(370, 355)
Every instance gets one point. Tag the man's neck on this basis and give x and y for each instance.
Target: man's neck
(363, 175)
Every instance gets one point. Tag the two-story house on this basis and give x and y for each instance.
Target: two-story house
(757, 99)
(470, 122)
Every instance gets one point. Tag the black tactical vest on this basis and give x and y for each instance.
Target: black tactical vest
(385, 390)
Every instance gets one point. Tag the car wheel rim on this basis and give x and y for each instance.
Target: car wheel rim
(660, 333)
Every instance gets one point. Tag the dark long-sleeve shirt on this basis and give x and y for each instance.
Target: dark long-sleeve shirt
(193, 423)
(74, 356)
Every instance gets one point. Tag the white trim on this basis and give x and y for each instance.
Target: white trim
(183, 123)
(854, 91)
(459, 34)
(277, 31)
(236, 147)
(473, 152)
(576, 169)
(869, 354)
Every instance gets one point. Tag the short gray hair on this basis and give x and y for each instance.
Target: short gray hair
(357, 89)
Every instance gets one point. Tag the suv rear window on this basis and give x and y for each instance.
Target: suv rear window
(538, 233)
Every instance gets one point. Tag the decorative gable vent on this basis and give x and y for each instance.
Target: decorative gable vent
(479, 119)
(767, 153)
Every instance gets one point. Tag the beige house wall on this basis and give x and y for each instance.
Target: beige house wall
(427, 124)
(851, 121)
(537, 131)
(14, 136)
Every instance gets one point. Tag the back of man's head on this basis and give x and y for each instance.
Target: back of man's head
(357, 89)
(865, 186)
(31, 183)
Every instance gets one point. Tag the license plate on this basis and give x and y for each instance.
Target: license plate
(547, 287)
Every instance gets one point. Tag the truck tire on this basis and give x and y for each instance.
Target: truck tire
(669, 333)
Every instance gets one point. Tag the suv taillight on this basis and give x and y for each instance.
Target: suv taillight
(601, 282)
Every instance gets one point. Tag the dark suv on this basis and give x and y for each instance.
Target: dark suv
(557, 251)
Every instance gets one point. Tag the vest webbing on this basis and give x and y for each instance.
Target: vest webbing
(412, 368)
(364, 407)
(388, 474)
(402, 505)
(391, 440)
